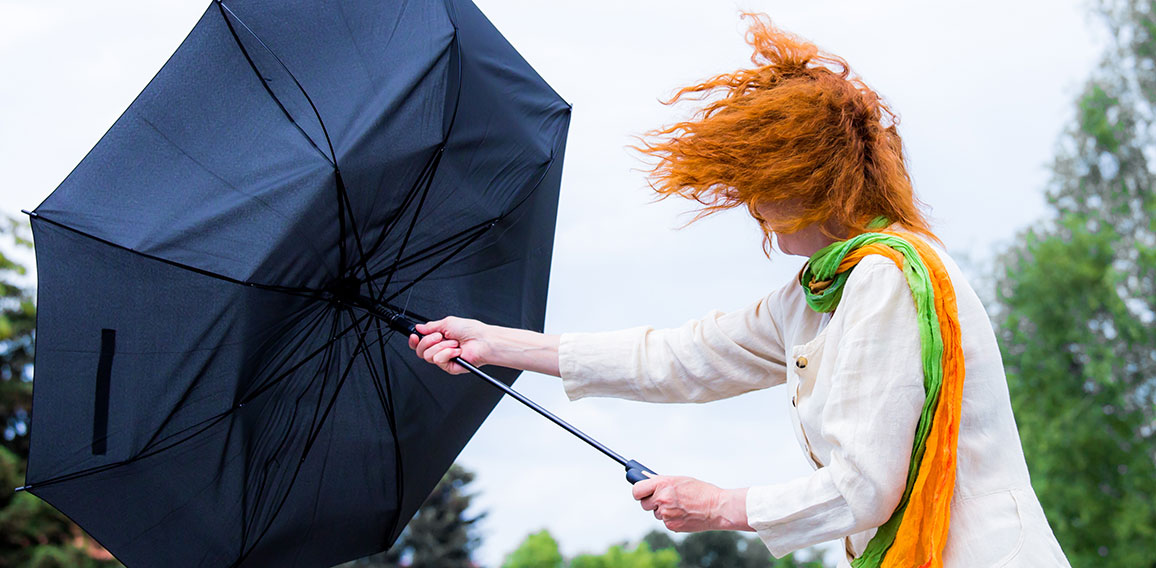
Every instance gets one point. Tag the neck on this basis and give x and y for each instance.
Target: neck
(808, 241)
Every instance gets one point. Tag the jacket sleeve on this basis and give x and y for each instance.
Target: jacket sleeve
(873, 402)
(718, 356)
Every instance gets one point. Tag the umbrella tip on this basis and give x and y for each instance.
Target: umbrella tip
(29, 213)
(22, 488)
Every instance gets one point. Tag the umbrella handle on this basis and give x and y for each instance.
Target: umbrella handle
(636, 472)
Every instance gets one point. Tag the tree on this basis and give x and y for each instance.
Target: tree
(618, 557)
(440, 535)
(1076, 310)
(17, 335)
(724, 549)
(714, 549)
(539, 550)
(659, 540)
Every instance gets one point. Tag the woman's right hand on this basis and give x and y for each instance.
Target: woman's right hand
(451, 337)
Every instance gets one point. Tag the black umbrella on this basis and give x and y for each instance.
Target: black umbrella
(219, 381)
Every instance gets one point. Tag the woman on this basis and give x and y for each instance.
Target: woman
(914, 465)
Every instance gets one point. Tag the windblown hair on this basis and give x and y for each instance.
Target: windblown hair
(798, 132)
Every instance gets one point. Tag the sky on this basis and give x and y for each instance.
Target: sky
(983, 90)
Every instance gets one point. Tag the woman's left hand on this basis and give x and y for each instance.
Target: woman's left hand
(686, 504)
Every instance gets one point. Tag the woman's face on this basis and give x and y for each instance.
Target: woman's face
(804, 242)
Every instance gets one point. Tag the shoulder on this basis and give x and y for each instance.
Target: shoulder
(875, 276)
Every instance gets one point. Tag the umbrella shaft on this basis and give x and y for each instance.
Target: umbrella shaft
(536, 408)
(403, 324)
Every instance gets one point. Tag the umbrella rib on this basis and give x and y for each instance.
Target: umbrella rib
(269, 384)
(386, 399)
(208, 423)
(292, 344)
(383, 397)
(343, 206)
(446, 244)
(258, 493)
(412, 223)
(305, 451)
(332, 157)
(430, 270)
(296, 318)
(204, 167)
(420, 187)
(414, 189)
(346, 205)
(399, 466)
(292, 291)
(399, 263)
(433, 249)
(430, 169)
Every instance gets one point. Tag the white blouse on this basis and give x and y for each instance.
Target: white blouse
(857, 385)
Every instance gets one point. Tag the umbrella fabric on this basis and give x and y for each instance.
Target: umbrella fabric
(208, 391)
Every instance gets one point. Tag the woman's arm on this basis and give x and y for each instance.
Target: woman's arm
(715, 357)
(483, 344)
(710, 358)
(684, 504)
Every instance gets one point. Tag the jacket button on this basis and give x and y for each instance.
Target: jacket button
(801, 362)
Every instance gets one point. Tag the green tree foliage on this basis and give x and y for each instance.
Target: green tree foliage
(1077, 313)
(715, 549)
(619, 557)
(539, 550)
(17, 334)
(32, 533)
(659, 540)
(440, 535)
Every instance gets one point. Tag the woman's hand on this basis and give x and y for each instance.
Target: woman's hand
(452, 337)
(686, 504)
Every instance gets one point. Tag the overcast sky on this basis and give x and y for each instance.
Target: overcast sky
(983, 89)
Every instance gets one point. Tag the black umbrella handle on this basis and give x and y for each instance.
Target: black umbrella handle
(404, 324)
(636, 472)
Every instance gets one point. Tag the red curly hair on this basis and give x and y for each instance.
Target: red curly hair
(799, 133)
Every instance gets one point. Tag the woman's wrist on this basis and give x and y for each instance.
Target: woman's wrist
(522, 349)
(731, 510)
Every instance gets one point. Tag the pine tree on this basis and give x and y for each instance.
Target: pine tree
(440, 535)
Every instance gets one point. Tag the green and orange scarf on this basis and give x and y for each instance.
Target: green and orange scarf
(916, 533)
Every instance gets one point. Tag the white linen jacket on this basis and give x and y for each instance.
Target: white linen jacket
(857, 389)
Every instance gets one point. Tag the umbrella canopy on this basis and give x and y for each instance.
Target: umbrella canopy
(210, 390)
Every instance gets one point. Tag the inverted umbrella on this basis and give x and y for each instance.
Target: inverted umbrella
(219, 381)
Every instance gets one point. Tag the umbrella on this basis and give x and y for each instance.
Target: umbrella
(219, 381)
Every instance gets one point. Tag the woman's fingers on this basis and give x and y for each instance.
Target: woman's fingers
(427, 342)
(447, 350)
(437, 349)
(644, 488)
(649, 504)
(440, 341)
